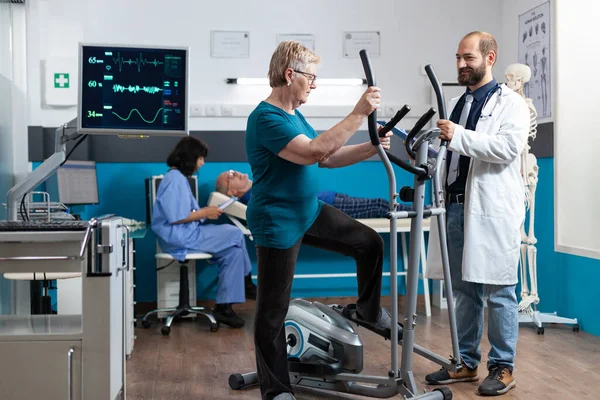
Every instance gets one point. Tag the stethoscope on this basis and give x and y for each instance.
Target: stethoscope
(497, 88)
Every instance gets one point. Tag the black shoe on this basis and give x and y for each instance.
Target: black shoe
(382, 325)
(250, 287)
(223, 313)
(499, 381)
(445, 377)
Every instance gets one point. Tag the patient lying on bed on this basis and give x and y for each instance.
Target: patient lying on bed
(234, 183)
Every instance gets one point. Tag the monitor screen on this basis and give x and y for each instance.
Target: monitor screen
(77, 183)
(133, 90)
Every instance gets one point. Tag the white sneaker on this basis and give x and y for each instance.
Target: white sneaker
(284, 396)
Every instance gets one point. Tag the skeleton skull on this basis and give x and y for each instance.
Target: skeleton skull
(516, 76)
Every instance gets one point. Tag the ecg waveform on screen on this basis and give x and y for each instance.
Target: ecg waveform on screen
(136, 89)
(139, 61)
(141, 116)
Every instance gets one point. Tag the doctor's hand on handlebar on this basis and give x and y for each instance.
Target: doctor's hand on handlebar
(385, 140)
(446, 129)
(368, 102)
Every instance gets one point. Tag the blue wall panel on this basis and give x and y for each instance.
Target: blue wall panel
(121, 192)
(566, 284)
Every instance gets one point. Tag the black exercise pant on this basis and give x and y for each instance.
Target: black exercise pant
(333, 230)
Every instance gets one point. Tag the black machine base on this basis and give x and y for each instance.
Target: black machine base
(317, 367)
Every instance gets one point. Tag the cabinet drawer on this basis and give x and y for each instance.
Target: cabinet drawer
(40, 370)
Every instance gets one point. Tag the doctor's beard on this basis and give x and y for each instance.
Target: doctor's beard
(468, 76)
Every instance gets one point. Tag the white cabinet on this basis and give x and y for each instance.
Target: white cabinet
(63, 356)
(69, 297)
(130, 303)
(60, 368)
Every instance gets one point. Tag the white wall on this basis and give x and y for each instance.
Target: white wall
(577, 178)
(412, 35)
(6, 168)
(576, 175)
(20, 112)
(13, 116)
(6, 134)
(13, 113)
(13, 89)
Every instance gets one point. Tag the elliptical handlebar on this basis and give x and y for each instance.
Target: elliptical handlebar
(394, 121)
(439, 95)
(416, 129)
(372, 123)
(366, 62)
(438, 189)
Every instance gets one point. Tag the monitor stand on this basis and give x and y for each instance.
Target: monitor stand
(33, 180)
(43, 172)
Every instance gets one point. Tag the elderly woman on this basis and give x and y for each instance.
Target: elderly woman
(284, 152)
(177, 221)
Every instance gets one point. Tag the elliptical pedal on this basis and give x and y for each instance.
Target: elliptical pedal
(349, 312)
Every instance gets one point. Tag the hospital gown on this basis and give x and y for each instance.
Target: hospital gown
(226, 243)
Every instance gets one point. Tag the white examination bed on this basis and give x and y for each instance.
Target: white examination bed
(236, 212)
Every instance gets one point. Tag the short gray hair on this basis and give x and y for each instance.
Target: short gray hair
(289, 54)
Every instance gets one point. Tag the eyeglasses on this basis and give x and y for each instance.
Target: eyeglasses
(310, 77)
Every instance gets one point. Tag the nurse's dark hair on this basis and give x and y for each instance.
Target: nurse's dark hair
(185, 155)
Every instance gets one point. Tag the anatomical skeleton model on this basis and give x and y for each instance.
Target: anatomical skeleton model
(517, 75)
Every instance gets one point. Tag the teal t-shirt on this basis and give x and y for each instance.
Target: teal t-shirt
(284, 203)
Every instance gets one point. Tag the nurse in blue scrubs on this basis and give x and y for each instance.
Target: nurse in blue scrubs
(177, 221)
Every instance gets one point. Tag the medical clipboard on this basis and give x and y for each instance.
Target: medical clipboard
(224, 205)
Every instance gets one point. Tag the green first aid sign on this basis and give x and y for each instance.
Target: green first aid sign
(61, 81)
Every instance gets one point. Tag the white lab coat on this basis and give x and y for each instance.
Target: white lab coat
(494, 197)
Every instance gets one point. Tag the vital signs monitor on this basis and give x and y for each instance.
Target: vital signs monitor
(133, 90)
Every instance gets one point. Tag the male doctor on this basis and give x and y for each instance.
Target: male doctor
(487, 132)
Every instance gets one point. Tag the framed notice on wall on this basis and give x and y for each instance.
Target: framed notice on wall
(354, 42)
(534, 51)
(230, 44)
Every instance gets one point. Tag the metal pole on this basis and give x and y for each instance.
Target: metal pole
(393, 261)
(412, 281)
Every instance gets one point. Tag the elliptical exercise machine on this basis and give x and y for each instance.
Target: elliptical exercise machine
(324, 350)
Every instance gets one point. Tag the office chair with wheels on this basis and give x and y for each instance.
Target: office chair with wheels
(183, 308)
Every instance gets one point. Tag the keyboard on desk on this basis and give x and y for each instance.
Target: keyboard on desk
(43, 226)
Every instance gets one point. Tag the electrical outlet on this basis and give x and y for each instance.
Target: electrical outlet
(197, 110)
(227, 110)
(211, 110)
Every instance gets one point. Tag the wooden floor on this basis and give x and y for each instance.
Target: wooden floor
(193, 363)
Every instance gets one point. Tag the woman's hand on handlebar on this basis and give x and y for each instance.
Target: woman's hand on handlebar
(385, 141)
(368, 102)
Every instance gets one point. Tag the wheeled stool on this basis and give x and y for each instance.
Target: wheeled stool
(183, 308)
